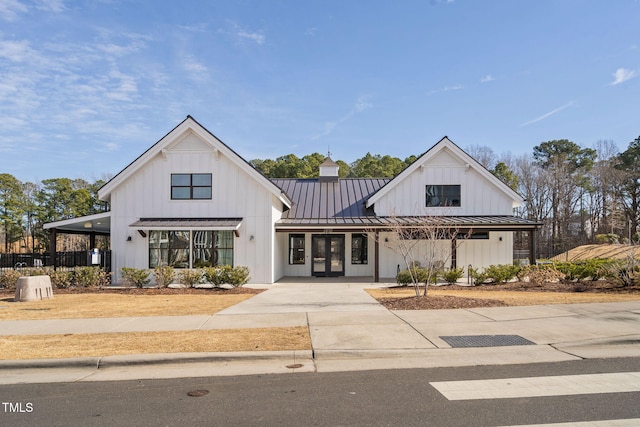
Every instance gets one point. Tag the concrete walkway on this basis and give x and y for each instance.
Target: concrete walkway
(350, 331)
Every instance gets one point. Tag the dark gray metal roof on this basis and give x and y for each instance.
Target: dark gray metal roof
(341, 204)
(210, 223)
(342, 200)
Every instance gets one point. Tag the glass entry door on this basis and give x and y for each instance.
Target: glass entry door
(328, 255)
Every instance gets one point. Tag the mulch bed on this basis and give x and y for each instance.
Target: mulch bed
(437, 302)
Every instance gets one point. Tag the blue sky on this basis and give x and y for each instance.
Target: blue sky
(87, 86)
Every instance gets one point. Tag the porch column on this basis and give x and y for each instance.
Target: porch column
(376, 249)
(454, 253)
(532, 247)
(53, 234)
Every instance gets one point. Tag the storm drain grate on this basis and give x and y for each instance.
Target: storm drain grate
(461, 341)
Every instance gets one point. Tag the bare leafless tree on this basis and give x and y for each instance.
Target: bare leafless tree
(425, 244)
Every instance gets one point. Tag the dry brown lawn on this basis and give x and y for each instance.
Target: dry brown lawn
(77, 306)
(105, 304)
(156, 303)
(96, 345)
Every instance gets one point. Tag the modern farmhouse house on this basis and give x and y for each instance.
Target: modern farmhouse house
(191, 201)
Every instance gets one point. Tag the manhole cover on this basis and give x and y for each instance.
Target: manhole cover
(197, 393)
(485, 340)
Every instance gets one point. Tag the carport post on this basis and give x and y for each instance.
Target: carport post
(532, 246)
(53, 235)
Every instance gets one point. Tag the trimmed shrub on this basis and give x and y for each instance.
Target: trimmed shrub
(191, 277)
(225, 274)
(164, 275)
(502, 273)
(217, 275)
(60, 279)
(452, 275)
(90, 277)
(137, 277)
(478, 277)
(9, 278)
(238, 276)
(407, 277)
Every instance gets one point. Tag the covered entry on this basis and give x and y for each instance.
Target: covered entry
(328, 255)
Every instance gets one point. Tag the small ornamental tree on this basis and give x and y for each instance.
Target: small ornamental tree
(426, 243)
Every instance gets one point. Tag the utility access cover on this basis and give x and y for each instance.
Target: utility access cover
(461, 341)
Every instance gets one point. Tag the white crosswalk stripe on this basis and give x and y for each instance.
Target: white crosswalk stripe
(562, 385)
(632, 422)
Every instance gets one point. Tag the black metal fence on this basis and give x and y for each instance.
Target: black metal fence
(65, 260)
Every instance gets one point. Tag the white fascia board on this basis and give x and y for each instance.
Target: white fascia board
(190, 125)
(462, 155)
(78, 220)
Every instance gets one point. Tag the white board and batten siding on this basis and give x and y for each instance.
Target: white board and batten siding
(146, 193)
(479, 196)
(351, 270)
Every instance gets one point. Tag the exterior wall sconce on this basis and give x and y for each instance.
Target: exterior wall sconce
(252, 238)
(128, 238)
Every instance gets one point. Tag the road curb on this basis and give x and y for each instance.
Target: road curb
(288, 356)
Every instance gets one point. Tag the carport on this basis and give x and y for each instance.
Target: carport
(90, 225)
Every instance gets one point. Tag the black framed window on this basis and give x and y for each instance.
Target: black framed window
(190, 186)
(190, 249)
(296, 248)
(359, 249)
(442, 195)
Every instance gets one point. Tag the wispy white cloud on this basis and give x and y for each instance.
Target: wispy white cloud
(446, 89)
(194, 68)
(10, 9)
(16, 51)
(549, 114)
(360, 105)
(256, 37)
(51, 5)
(487, 78)
(195, 28)
(622, 75)
(241, 34)
(111, 146)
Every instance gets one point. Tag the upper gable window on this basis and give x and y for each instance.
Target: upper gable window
(443, 195)
(190, 186)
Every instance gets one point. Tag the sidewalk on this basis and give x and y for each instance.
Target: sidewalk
(349, 331)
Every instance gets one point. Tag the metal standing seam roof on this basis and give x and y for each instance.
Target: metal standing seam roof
(219, 223)
(342, 200)
(342, 204)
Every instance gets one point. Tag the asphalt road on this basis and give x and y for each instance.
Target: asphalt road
(391, 397)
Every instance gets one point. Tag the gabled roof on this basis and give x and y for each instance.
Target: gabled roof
(445, 143)
(190, 125)
(320, 202)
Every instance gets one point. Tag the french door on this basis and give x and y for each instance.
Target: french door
(328, 255)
